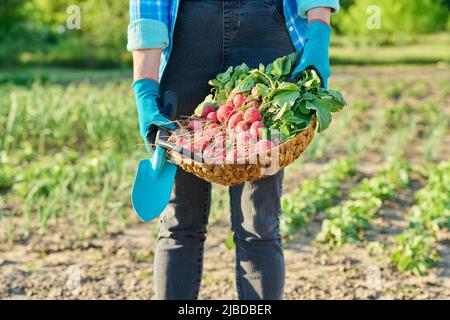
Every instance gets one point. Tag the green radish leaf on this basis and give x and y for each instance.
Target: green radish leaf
(293, 57)
(261, 68)
(215, 83)
(229, 86)
(280, 113)
(286, 97)
(221, 97)
(287, 86)
(245, 85)
(323, 114)
(225, 76)
(269, 68)
(340, 103)
(308, 96)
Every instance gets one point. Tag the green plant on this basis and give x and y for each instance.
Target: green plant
(432, 211)
(347, 221)
(414, 248)
(414, 252)
(400, 20)
(314, 195)
(286, 106)
(434, 126)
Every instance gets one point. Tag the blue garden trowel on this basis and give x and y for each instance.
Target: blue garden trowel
(155, 176)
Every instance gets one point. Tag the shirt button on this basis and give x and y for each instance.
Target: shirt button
(291, 28)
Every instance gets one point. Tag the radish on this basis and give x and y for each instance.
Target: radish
(207, 110)
(219, 140)
(213, 125)
(186, 144)
(195, 124)
(252, 115)
(234, 120)
(212, 116)
(218, 155)
(201, 144)
(232, 113)
(243, 137)
(251, 149)
(242, 126)
(255, 128)
(254, 91)
(212, 131)
(238, 100)
(264, 146)
(223, 112)
(180, 141)
(253, 104)
(231, 97)
(231, 156)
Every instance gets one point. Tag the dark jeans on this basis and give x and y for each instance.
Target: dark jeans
(210, 36)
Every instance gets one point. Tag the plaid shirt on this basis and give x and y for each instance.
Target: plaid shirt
(152, 23)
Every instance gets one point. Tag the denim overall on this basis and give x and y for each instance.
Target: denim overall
(209, 36)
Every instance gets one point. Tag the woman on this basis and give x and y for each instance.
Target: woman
(202, 38)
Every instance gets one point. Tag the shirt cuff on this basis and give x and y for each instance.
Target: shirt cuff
(147, 34)
(305, 5)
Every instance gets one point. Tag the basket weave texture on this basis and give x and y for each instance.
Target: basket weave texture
(237, 173)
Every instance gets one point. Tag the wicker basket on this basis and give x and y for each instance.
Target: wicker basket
(237, 173)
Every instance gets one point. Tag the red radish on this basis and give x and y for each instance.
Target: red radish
(264, 146)
(219, 140)
(195, 124)
(243, 137)
(253, 104)
(201, 144)
(231, 156)
(180, 141)
(212, 116)
(232, 113)
(252, 115)
(212, 131)
(251, 149)
(238, 100)
(255, 92)
(234, 120)
(207, 110)
(255, 129)
(188, 145)
(218, 155)
(231, 97)
(277, 140)
(242, 126)
(223, 112)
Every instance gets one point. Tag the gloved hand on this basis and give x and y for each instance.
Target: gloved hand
(150, 117)
(316, 51)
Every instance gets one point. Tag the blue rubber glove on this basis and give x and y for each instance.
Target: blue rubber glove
(150, 117)
(316, 51)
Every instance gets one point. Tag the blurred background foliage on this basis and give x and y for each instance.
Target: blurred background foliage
(33, 32)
